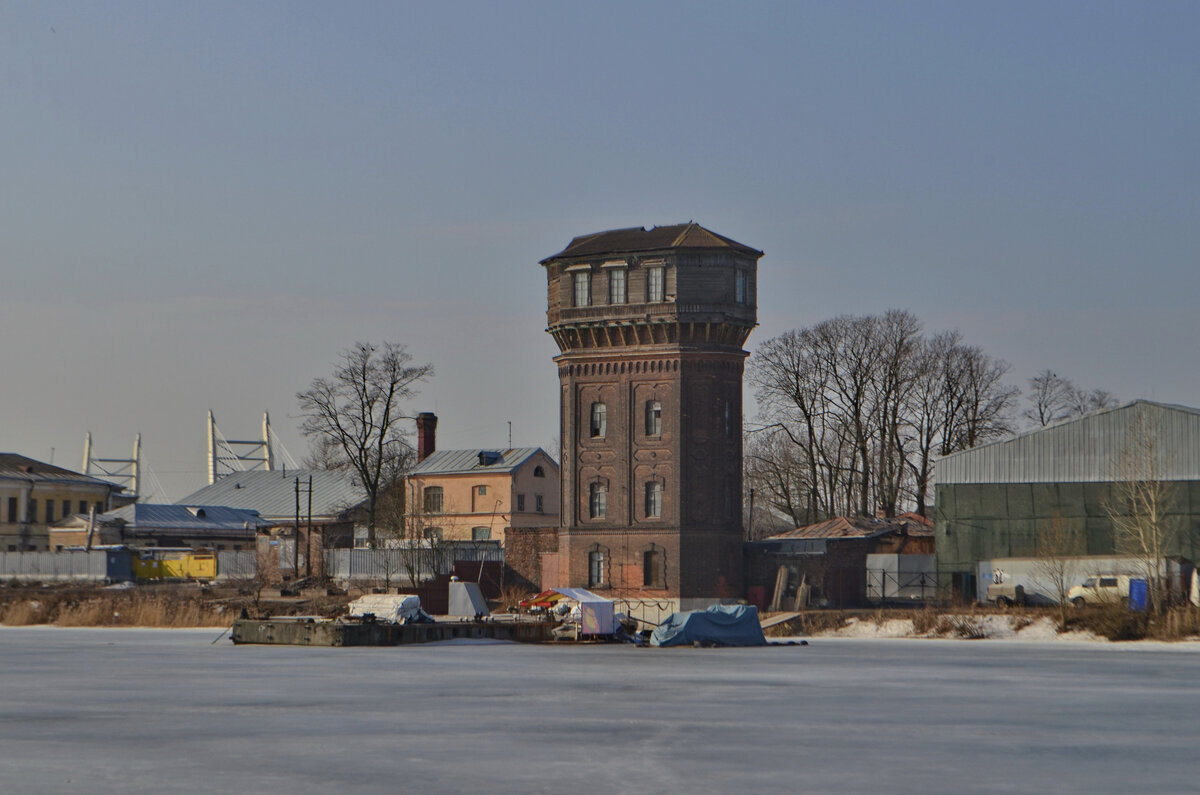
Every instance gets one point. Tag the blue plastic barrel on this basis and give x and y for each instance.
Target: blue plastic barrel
(1139, 595)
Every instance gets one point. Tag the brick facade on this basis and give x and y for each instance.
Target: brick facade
(651, 408)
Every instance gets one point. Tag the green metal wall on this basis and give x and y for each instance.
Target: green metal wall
(975, 521)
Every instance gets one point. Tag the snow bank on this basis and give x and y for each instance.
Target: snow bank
(976, 627)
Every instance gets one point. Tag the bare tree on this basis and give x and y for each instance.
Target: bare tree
(865, 404)
(1049, 398)
(1055, 569)
(985, 400)
(356, 413)
(1053, 398)
(1143, 506)
(1084, 402)
(775, 472)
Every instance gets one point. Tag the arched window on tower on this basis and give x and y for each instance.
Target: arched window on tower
(653, 418)
(598, 500)
(597, 567)
(654, 496)
(654, 568)
(599, 421)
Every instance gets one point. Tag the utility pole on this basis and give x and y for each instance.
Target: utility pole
(308, 535)
(296, 536)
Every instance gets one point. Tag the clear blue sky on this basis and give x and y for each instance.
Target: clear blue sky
(201, 204)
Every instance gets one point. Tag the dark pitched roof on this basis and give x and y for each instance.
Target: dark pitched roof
(860, 527)
(19, 467)
(659, 238)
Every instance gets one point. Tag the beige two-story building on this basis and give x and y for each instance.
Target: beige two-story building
(34, 495)
(477, 495)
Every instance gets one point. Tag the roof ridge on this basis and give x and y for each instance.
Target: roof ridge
(684, 233)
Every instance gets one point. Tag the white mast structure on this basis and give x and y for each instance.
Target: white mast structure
(124, 471)
(226, 456)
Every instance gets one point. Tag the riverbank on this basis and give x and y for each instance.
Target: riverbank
(1101, 623)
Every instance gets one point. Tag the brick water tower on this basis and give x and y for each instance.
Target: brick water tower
(650, 325)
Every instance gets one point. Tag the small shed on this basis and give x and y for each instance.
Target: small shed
(597, 615)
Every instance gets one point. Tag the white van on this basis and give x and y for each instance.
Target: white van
(1100, 589)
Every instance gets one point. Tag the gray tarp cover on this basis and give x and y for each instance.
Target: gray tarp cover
(726, 625)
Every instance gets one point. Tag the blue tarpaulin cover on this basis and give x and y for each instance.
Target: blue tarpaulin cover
(722, 625)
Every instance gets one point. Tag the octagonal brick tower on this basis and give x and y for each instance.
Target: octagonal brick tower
(650, 325)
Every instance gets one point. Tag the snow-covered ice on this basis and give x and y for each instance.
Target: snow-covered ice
(87, 710)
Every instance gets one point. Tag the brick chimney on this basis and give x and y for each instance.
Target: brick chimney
(426, 435)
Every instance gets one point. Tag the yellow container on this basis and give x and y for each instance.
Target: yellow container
(195, 565)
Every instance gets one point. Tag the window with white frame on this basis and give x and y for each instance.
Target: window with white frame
(654, 495)
(481, 533)
(598, 500)
(598, 426)
(597, 568)
(616, 286)
(433, 499)
(655, 283)
(583, 288)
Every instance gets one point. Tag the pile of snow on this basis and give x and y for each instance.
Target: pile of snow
(990, 627)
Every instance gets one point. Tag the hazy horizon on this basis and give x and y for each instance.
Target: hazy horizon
(204, 204)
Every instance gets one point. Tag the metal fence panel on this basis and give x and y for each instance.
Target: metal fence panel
(77, 565)
(239, 564)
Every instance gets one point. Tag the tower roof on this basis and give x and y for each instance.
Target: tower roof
(659, 238)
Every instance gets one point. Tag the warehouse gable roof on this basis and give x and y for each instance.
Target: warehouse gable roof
(1082, 450)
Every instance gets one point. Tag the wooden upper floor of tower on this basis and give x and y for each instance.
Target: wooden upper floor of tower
(633, 279)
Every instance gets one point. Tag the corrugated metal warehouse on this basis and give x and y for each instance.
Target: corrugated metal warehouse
(993, 501)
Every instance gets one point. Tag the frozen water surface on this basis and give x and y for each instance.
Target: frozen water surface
(167, 711)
